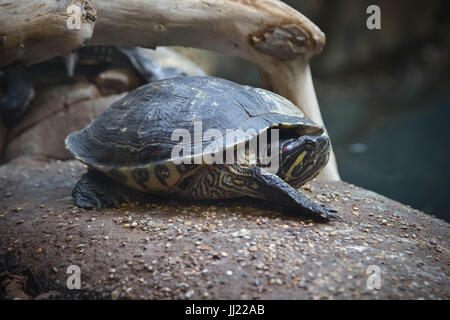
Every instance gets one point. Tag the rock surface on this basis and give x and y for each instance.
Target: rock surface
(235, 249)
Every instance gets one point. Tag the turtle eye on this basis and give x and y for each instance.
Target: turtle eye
(309, 144)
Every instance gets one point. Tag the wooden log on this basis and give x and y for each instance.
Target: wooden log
(32, 31)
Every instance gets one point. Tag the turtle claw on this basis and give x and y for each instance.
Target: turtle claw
(321, 213)
(334, 216)
(313, 211)
(329, 213)
(328, 209)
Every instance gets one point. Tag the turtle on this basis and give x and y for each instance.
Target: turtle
(134, 145)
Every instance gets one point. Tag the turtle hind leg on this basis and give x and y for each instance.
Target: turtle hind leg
(97, 190)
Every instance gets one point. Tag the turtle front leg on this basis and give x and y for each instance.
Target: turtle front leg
(97, 190)
(228, 181)
(272, 187)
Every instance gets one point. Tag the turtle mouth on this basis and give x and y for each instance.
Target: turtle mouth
(303, 159)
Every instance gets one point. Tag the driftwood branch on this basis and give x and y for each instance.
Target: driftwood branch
(269, 33)
(33, 31)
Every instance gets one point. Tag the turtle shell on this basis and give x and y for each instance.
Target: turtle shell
(136, 131)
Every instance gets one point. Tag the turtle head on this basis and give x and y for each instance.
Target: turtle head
(302, 159)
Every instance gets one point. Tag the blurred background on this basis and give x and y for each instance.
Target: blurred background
(384, 94)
